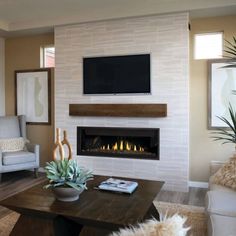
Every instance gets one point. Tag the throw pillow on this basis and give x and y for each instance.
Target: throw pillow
(226, 175)
(173, 226)
(12, 144)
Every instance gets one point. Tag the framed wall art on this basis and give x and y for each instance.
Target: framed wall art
(33, 95)
(221, 91)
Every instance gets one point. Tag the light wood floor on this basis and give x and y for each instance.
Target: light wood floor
(195, 197)
(16, 182)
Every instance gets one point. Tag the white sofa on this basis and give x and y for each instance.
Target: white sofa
(220, 207)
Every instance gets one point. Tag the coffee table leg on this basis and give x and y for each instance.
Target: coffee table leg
(63, 226)
(152, 212)
(90, 231)
(58, 226)
(27, 225)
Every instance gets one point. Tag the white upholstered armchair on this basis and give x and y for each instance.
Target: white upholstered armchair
(21, 155)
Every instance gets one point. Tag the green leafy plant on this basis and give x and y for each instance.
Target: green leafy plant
(227, 135)
(67, 173)
(230, 53)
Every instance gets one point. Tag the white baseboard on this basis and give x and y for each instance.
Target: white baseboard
(197, 184)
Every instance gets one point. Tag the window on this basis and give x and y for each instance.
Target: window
(208, 46)
(47, 56)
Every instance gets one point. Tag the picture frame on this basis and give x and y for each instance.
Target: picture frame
(221, 86)
(33, 95)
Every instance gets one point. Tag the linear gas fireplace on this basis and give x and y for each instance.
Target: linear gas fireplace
(138, 143)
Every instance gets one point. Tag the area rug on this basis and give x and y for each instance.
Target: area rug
(196, 217)
(7, 223)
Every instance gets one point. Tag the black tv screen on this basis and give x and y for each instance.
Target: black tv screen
(117, 74)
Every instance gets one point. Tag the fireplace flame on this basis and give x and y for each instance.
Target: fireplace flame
(128, 146)
(141, 149)
(115, 147)
(122, 146)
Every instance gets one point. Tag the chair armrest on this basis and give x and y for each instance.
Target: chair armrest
(215, 166)
(35, 149)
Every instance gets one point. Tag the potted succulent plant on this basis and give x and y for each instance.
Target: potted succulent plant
(67, 179)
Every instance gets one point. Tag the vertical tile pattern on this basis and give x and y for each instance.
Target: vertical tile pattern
(165, 37)
(2, 76)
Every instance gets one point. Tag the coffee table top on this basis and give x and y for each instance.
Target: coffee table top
(94, 208)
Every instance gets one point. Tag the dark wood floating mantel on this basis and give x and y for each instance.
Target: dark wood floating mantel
(119, 110)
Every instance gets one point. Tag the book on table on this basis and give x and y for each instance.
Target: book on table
(118, 185)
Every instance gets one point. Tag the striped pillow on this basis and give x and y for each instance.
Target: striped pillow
(12, 144)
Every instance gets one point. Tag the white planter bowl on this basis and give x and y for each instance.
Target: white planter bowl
(66, 194)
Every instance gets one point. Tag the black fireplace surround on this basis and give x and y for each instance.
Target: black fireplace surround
(139, 143)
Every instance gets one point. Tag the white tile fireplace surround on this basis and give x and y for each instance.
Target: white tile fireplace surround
(165, 37)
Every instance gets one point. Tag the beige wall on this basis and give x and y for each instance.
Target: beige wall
(202, 148)
(24, 53)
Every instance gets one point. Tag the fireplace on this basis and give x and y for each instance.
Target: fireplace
(140, 143)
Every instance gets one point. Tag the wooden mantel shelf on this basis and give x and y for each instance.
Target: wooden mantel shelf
(118, 110)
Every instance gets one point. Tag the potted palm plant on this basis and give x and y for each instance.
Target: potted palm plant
(67, 179)
(227, 135)
(231, 52)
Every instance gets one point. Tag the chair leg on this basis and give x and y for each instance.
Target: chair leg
(0, 177)
(36, 172)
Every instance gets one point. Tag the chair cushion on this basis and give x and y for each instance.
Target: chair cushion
(221, 203)
(222, 225)
(12, 158)
(9, 127)
(12, 144)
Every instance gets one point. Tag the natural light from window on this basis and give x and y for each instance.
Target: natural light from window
(48, 56)
(208, 45)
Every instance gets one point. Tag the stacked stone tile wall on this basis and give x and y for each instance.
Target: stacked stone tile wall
(166, 38)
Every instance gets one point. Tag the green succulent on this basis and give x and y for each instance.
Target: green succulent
(227, 136)
(67, 173)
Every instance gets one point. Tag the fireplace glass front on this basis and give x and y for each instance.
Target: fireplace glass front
(141, 143)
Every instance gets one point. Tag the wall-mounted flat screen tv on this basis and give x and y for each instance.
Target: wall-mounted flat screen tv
(117, 74)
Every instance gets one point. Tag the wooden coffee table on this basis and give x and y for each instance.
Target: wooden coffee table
(95, 213)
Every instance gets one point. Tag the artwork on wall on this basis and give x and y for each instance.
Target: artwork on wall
(221, 91)
(33, 95)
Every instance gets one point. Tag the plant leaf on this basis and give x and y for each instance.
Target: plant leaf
(67, 172)
(227, 136)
